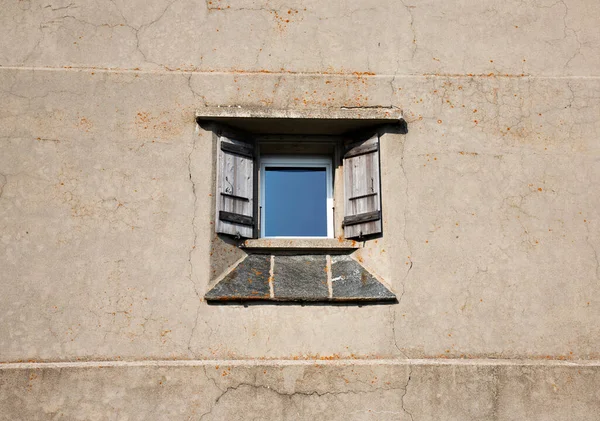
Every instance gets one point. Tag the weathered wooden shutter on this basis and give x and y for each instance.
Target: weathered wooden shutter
(235, 188)
(362, 190)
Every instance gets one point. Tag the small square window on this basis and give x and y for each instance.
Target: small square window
(282, 187)
(287, 179)
(296, 196)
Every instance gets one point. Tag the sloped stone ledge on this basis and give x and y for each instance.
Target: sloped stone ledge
(300, 278)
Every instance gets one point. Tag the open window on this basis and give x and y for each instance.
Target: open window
(296, 196)
(263, 192)
(290, 186)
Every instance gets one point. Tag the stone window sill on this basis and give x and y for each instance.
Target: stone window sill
(313, 276)
(301, 244)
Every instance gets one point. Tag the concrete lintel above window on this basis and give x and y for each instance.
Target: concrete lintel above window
(327, 121)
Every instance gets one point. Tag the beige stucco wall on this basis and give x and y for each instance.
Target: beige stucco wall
(490, 202)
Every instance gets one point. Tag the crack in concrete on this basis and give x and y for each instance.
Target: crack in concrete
(189, 344)
(3, 182)
(194, 93)
(394, 333)
(575, 34)
(291, 395)
(146, 26)
(125, 23)
(405, 392)
(55, 20)
(60, 8)
(136, 31)
(193, 247)
(412, 28)
(211, 379)
(405, 223)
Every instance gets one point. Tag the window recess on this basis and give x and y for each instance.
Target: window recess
(292, 195)
(247, 143)
(328, 161)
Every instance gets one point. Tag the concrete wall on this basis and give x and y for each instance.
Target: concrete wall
(490, 202)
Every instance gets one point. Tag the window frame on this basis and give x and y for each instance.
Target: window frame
(299, 161)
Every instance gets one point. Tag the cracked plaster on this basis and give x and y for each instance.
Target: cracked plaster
(117, 181)
(477, 181)
(490, 201)
(562, 36)
(321, 390)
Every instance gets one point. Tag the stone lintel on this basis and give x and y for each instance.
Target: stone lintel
(385, 114)
(324, 121)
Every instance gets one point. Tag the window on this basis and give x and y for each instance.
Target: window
(264, 192)
(289, 186)
(296, 196)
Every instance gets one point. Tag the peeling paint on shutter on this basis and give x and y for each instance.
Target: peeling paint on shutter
(235, 188)
(362, 189)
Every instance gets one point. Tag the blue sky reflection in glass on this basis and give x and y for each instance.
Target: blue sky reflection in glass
(295, 201)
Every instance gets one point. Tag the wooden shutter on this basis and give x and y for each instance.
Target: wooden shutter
(235, 188)
(362, 189)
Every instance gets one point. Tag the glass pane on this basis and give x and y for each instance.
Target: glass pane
(295, 202)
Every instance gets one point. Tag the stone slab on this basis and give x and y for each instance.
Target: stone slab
(378, 114)
(301, 278)
(249, 281)
(307, 244)
(351, 281)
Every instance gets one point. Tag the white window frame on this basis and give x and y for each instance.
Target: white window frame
(308, 161)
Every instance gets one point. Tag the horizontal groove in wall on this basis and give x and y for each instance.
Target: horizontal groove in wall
(294, 73)
(283, 363)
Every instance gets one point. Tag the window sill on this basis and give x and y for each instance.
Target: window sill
(300, 278)
(300, 270)
(305, 244)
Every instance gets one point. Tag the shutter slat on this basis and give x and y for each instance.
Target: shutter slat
(236, 148)
(362, 196)
(236, 218)
(362, 210)
(362, 217)
(233, 196)
(361, 150)
(235, 188)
